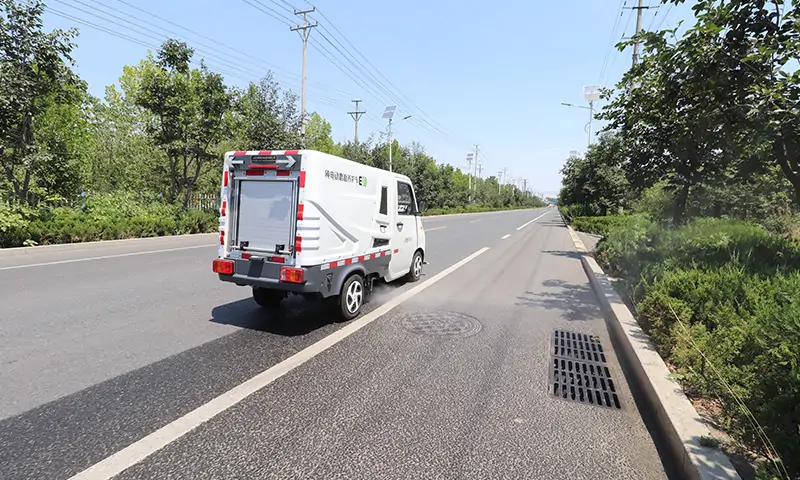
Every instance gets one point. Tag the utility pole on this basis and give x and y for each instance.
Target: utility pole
(476, 166)
(638, 9)
(356, 115)
(305, 31)
(470, 158)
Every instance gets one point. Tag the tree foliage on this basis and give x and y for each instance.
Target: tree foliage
(36, 86)
(708, 118)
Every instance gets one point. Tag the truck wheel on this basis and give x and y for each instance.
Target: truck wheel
(351, 297)
(267, 298)
(415, 272)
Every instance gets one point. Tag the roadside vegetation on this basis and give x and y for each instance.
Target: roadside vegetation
(143, 160)
(694, 186)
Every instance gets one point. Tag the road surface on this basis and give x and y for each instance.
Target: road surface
(101, 345)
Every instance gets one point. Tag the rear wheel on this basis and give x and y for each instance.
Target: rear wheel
(268, 298)
(351, 298)
(415, 272)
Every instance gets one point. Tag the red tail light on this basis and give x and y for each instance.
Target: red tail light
(224, 208)
(225, 178)
(300, 209)
(292, 275)
(222, 238)
(298, 244)
(282, 173)
(223, 267)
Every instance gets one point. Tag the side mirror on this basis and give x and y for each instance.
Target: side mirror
(422, 206)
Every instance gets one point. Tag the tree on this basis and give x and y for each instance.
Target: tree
(35, 78)
(671, 118)
(264, 118)
(597, 181)
(318, 134)
(188, 106)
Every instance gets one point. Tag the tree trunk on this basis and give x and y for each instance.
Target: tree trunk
(787, 156)
(678, 215)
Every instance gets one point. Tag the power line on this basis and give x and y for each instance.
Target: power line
(611, 37)
(424, 114)
(158, 38)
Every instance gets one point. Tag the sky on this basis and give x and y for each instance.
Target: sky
(467, 72)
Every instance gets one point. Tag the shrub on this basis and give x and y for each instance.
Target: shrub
(721, 301)
(104, 217)
(734, 335)
(603, 225)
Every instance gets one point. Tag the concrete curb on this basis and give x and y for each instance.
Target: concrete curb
(678, 421)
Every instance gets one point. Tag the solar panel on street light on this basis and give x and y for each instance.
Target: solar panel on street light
(389, 112)
(591, 92)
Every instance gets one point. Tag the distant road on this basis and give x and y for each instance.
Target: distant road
(101, 345)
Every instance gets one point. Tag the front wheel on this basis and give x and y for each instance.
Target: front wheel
(415, 272)
(351, 297)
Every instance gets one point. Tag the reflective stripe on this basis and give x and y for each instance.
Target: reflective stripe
(358, 259)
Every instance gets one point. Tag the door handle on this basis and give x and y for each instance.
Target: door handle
(400, 226)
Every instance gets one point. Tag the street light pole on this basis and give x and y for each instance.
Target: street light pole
(389, 113)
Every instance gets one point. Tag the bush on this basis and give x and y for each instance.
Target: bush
(106, 217)
(736, 336)
(469, 209)
(719, 299)
(603, 225)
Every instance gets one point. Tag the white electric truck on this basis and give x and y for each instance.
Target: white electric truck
(308, 223)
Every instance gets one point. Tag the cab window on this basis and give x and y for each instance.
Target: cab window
(405, 199)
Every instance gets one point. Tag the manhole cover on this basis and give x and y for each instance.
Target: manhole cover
(583, 382)
(440, 324)
(578, 346)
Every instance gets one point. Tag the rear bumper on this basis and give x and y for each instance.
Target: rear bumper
(267, 275)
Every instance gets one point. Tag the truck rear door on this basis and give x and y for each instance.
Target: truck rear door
(266, 213)
(263, 202)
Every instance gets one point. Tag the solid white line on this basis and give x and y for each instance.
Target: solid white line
(138, 451)
(435, 228)
(528, 223)
(505, 236)
(119, 255)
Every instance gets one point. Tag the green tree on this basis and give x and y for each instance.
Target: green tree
(318, 134)
(265, 118)
(35, 82)
(188, 106)
(669, 113)
(597, 181)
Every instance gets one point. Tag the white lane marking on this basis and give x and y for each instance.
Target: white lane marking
(474, 221)
(435, 228)
(138, 451)
(505, 236)
(528, 223)
(119, 255)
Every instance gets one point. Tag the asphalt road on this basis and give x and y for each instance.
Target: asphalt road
(103, 344)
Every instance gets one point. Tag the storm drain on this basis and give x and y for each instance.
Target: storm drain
(579, 346)
(440, 324)
(578, 371)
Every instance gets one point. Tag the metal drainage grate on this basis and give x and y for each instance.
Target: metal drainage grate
(440, 324)
(583, 382)
(579, 346)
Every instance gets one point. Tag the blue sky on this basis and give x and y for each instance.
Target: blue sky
(485, 73)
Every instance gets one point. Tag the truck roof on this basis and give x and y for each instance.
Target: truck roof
(242, 153)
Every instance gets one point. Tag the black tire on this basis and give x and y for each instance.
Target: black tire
(415, 272)
(351, 297)
(268, 298)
